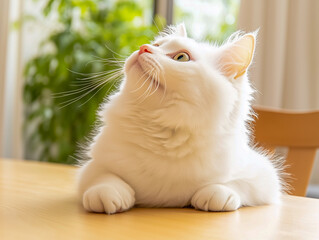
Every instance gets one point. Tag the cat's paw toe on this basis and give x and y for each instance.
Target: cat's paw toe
(216, 198)
(108, 199)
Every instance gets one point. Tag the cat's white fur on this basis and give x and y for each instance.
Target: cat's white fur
(184, 143)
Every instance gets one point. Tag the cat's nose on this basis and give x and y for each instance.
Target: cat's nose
(144, 48)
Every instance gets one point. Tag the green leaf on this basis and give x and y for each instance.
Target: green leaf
(53, 133)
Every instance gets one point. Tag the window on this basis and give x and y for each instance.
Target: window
(59, 39)
(207, 19)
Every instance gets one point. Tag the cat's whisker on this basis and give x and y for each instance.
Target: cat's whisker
(164, 89)
(86, 86)
(102, 78)
(72, 92)
(157, 84)
(149, 89)
(150, 84)
(107, 92)
(68, 102)
(146, 73)
(115, 59)
(113, 51)
(161, 22)
(110, 62)
(104, 73)
(83, 89)
(89, 84)
(92, 81)
(155, 24)
(155, 89)
(115, 63)
(109, 76)
(145, 92)
(86, 74)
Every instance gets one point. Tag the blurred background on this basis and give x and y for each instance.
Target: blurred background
(53, 57)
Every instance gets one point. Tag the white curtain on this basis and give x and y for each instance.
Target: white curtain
(286, 67)
(3, 50)
(10, 80)
(16, 48)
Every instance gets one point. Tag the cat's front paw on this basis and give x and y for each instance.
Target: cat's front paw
(216, 198)
(106, 198)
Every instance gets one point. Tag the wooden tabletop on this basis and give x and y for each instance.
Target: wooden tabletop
(38, 201)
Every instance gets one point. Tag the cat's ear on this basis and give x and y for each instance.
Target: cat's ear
(237, 56)
(181, 30)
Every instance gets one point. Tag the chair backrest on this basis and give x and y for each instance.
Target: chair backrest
(299, 131)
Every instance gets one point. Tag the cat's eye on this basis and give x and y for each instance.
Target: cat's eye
(156, 45)
(182, 57)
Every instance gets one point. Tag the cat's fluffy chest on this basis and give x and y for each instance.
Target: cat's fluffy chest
(161, 163)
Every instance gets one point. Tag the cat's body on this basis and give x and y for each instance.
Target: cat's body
(186, 143)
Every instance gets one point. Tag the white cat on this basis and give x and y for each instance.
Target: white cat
(175, 134)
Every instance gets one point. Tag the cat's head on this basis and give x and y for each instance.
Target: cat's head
(184, 82)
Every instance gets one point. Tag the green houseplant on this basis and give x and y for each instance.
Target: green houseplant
(52, 132)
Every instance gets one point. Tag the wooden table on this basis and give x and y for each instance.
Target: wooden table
(38, 201)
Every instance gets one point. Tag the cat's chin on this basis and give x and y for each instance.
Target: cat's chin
(137, 67)
(130, 61)
(133, 67)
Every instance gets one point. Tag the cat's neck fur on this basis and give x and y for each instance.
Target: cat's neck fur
(142, 126)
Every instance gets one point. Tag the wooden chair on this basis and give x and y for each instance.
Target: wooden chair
(299, 131)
